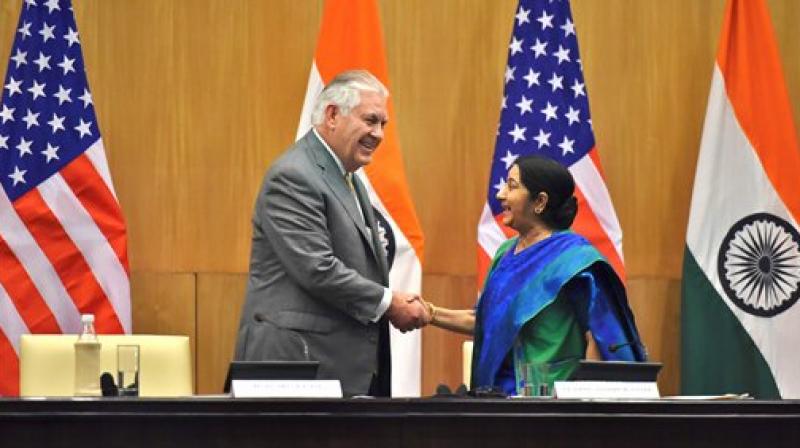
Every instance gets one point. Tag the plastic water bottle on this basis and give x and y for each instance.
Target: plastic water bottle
(87, 360)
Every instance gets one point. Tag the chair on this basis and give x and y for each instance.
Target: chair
(466, 362)
(47, 363)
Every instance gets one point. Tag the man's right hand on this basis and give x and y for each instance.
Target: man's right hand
(406, 312)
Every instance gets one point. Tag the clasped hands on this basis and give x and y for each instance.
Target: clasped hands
(408, 311)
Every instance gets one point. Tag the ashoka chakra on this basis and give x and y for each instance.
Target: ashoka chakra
(759, 264)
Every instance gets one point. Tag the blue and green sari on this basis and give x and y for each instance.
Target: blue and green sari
(537, 305)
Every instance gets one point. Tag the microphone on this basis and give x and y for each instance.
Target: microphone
(443, 390)
(635, 345)
(107, 386)
(613, 348)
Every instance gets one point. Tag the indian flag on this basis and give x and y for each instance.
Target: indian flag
(351, 38)
(741, 274)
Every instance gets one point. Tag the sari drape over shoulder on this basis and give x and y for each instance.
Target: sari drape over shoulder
(519, 286)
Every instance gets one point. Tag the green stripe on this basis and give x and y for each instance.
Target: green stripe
(718, 355)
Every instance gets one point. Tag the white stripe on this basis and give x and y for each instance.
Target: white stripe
(406, 362)
(406, 275)
(730, 184)
(93, 245)
(10, 321)
(97, 155)
(490, 235)
(315, 86)
(35, 262)
(591, 183)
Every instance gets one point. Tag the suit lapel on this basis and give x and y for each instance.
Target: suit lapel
(333, 177)
(369, 215)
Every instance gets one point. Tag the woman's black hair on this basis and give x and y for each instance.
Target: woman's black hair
(540, 174)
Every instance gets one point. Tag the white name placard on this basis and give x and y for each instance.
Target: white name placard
(286, 389)
(607, 389)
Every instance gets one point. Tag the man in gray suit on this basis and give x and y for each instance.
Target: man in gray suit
(318, 272)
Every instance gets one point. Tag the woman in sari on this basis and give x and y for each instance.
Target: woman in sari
(546, 290)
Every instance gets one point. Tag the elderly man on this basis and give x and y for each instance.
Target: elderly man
(318, 272)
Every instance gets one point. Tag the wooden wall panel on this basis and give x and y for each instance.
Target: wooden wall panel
(241, 69)
(219, 304)
(196, 97)
(131, 70)
(648, 96)
(785, 15)
(164, 303)
(194, 101)
(441, 353)
(9, 16)
(656, 306)
(446, 62)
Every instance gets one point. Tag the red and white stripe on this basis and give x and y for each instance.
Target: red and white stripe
(63, 252)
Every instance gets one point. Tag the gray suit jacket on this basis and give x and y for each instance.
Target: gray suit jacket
(316, 274)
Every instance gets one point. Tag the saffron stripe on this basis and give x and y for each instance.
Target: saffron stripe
(351, 37)
(336, 53)
(749, 61)
(388, 176)
(67, 260)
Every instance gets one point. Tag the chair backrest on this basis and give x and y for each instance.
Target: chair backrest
(47, 363)
(466, 362)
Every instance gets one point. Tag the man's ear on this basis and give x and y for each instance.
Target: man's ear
(331, 114)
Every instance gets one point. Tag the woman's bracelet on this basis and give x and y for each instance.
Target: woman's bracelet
(432, 311)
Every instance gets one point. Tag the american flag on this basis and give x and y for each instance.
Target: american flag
(63, 244)
(545, 111)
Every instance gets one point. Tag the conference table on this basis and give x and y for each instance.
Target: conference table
(215, 421)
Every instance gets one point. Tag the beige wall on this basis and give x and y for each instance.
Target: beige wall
(196, 98)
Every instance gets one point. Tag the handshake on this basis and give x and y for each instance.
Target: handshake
(408, 311)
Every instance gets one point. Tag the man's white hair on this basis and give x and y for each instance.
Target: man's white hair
(344, 93)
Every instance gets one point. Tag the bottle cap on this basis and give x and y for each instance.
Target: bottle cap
(87, 318)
